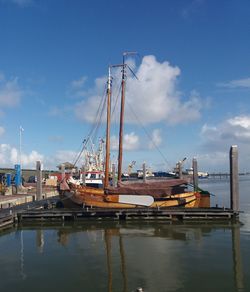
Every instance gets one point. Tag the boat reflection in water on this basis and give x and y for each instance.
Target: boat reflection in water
(164, 257)
(122, 256)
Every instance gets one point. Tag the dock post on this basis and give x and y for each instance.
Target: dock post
(113, 175)
(83, 176)
(144, 172)
(179, 166)
(62, 171)
(39, 180)
(195, 174)
(234, 179)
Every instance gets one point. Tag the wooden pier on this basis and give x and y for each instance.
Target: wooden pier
(172, 214)
(6, 220)
(9, 216)
(46, 211)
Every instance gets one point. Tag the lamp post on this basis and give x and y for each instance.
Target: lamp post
(21, 129)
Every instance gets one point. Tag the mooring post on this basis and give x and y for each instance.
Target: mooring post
(144, 171)
(179, 164)
(83, 175)
(234, 179)
(113, 175)
(62, 172)
(195, 174)
(39, 180)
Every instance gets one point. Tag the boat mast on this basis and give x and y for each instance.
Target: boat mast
(106, 178)
(121, 119)
(122, 111)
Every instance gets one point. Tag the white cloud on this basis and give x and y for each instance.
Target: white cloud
(86, 109)
(65, 155)
(9, 156)
(154, 98)
(79, 83)
(29, 160)
(77, 88)
(242, 121)
(218, 139)
(238, 83)
(130, 142)
(214, 161)
(55, 111)
(234, 130)
(155, 139)
(56, 139)
(2, 131)
(10, 92)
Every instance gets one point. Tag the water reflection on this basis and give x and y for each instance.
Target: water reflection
(237, 262)
(156, 256)
(40, 240)
(173, 232)
(22, 273)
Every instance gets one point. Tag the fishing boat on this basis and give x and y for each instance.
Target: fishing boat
(148, 173)
(92, 173)
(151, 194)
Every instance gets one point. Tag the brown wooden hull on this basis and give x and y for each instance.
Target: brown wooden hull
(95, 198)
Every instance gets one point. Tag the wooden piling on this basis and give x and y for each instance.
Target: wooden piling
(179, 165)
(63, 171)
(234, 178)
(39, 180)
(144, 171)
(195, 174)
(113, 175)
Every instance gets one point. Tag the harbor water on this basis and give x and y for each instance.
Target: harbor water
(127, 255)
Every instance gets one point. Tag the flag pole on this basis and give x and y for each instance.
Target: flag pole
(20, 146)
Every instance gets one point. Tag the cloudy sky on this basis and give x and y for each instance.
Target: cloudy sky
(191, 98)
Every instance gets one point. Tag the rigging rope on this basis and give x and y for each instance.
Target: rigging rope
(149, 136)
(115, 104)
(95, 127)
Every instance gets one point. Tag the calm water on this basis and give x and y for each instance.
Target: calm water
(116, 256)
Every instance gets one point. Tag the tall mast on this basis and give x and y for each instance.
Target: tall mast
(106, 178)
(122, 111)
(121, 120)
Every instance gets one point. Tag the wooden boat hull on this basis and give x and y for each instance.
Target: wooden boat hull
(96, 199)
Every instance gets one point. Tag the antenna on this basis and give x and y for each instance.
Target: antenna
(125, 54)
